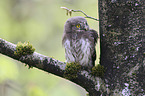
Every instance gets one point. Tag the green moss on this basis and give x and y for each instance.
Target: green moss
(71, 70)
(24, 49)
(98, 71)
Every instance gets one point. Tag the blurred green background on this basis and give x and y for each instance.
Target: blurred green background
(40, 22)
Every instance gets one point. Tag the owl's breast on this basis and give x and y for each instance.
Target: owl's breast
(78, 50)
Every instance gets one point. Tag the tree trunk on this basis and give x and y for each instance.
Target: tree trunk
(122, 33)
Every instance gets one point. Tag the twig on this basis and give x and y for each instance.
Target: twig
(69, 11)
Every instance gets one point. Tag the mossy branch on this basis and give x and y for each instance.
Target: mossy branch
(24, 49)
(47, 64)
(69, 11)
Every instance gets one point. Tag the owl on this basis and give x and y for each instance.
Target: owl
(79, 42)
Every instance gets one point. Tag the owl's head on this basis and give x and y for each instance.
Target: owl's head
(76, 24)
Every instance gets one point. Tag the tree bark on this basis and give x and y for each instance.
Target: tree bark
(122, 33)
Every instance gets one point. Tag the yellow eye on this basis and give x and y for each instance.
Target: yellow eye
(78, 25)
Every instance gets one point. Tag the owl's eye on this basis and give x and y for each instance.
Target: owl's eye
(78, 25)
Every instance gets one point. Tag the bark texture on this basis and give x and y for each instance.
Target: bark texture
(122, 30)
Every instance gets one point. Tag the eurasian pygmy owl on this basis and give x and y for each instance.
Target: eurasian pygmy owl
(79, 42)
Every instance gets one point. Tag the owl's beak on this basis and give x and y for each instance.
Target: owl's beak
(86, 27)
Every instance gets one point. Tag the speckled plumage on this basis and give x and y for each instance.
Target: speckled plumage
(79, 42)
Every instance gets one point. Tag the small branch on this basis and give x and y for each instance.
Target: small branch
(69, 11)
(51, 65)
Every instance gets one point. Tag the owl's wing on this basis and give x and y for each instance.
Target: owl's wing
(94, 36)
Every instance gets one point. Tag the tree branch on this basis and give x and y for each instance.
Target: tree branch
(69, 11)
(53, 66)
